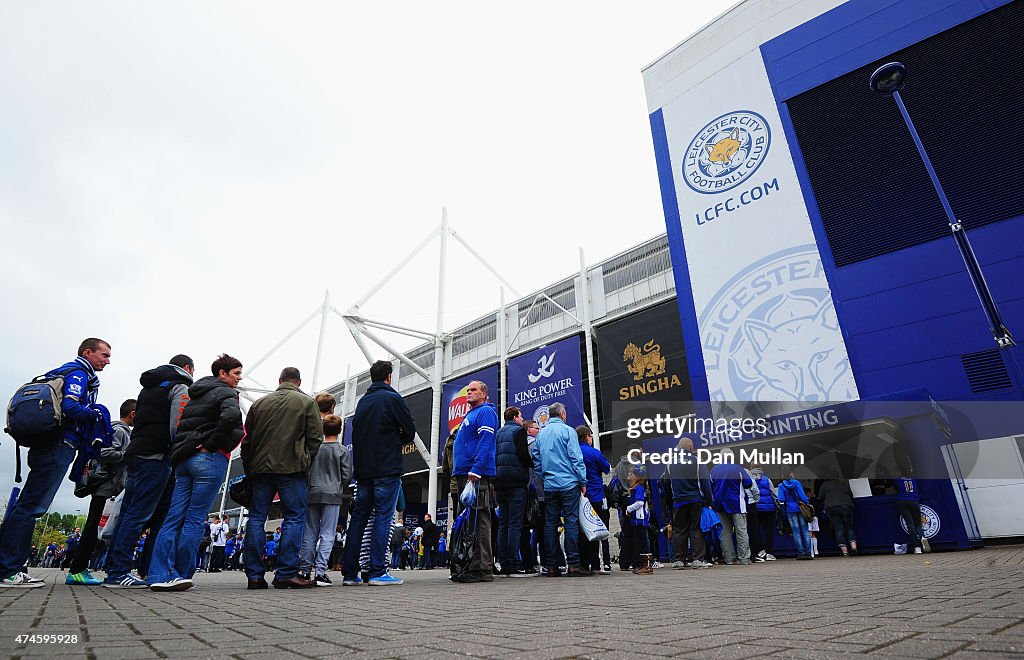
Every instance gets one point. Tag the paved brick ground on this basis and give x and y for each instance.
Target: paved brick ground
(922, 606)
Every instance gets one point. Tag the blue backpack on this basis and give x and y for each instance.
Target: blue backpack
(34, 417)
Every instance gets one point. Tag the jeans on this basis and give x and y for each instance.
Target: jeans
(801, 535)
(197, 482)
(564, 504)
(48, 465)
(842, 525)
(156, 521)
(292, 489)
(686, 527)
(513, 505)
(379, 497)
(911, 514)
(318, 539)
(735, 522)
(427, 560)
(143, 487)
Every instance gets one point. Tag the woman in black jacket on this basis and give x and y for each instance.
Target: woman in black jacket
(210, 428)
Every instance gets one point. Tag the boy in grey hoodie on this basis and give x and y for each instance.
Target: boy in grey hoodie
(329, 473)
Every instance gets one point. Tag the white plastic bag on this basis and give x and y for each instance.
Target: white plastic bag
(468, 496)
(899, 548)
(591, 525)
(108, 519)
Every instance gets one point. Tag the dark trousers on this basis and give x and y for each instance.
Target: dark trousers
(642, 543)
(766, 530)
(482, 509)
(590, 551)
(910, 512)
(754, 530)
(217, 558)
(87, 544)
(605, 516)
(686, 530)
(512, 502)
(626, 542)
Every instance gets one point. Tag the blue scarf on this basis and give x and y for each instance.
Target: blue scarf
(89, 449)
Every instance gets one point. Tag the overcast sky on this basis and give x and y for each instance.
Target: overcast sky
(191, 177)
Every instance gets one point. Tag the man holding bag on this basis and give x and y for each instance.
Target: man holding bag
(473, 459)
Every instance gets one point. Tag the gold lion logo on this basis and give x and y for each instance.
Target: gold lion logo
(646, 362)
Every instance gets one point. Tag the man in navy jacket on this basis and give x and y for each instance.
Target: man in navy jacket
(382, 424)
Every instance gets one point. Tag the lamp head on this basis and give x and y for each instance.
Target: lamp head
(889, 78)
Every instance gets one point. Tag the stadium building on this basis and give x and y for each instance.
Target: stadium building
(808, 266)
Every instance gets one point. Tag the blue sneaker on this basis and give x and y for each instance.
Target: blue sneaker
(384, 581)
(85, 577)
(126, 582)
(352, 581)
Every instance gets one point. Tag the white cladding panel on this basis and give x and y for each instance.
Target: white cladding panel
(766, 318)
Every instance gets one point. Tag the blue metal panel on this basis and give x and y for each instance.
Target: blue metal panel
(680, 270)
(908, 315)
(857, 33)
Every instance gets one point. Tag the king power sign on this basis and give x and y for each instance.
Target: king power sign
(548, 375)
(765, 315)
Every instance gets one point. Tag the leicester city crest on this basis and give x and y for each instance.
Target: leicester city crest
(726, 152)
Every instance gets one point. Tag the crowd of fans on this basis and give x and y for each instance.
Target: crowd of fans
(522, 486)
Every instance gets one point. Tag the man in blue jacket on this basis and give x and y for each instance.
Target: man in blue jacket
(729, 483)
(49, 463)
(556, 451)
(382, 424)
(473, 458)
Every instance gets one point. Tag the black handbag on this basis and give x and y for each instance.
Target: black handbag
(241, 491)
(92, 479)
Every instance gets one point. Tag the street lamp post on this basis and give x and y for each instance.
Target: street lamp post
(889, 79)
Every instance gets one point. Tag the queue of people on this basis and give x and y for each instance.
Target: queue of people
(169, 450)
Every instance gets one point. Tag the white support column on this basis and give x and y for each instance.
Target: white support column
(358, 337)
(320, 341)
(398, 354)
(257, 363)
(435, 415)
(502, 355)
(584, 307)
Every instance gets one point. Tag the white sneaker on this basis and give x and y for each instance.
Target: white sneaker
(926, 545)
(177, 584)
(21, 581)
(657, 564)
(917, 551)
(698, 563)
(769, 557)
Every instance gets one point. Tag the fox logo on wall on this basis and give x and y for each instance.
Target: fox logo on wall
(772, 334)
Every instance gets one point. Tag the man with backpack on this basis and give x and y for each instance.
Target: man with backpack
(49, 457)
(157, 411)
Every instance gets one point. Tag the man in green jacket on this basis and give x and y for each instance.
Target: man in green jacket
(283, 432)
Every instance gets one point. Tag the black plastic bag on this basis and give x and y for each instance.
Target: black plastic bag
(462, 549)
